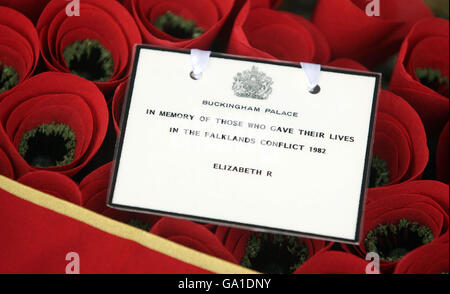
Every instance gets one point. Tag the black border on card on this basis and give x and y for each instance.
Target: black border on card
(123, 125)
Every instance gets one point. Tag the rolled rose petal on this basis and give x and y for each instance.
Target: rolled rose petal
(6, 167)
(428, 259)
(400, 219)
(179, 23)
(421, 75)
(400, 143)
(333, 262)
(31, 8)
(54, 184)
(94, 190)
(269, 253)
(19, 49)
(348, 64)
(352, 33)
(442, 156)
(266, 33)
(400, 151)
(53, 121)
(191, 235)
(117, 103)
(97, 45)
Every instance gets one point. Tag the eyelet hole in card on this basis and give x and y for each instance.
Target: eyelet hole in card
(194, 76)
(316, 90)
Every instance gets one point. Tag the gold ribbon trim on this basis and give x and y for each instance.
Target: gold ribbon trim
(122, 230)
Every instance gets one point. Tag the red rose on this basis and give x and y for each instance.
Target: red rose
(400, 143)
(54, 184)
(269, 253)
(97, 45)
(368, 39)
(348, 64)
(400, 151)
(180, 23)
(19, 49)
(31, 8)
(266, 33)
(442, 157)
(6, 167)
(191, 235)
(428, 259)
(333, 262)
(117, 103)
(94, 190)
(401, 218)
(421, 74)
(54, 122)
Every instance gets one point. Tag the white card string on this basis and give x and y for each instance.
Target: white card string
(312, 72)
(199, 60)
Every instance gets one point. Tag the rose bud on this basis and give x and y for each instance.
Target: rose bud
(180, 23)
(269, 253)
(192, 235)
(352, 33)
(442, 156)
(421, 75)
(55, 122)
(117, 104)
(333, 262)
(266, 33)
(94, 190)
(31, 8)
(19, 49)
(428, 259)
(54, 184)
(401, 218)
(97, 45)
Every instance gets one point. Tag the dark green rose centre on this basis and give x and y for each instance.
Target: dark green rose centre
(140, 224)
(274, 254)
(433, 79)
(48, 145)
(90, 60)
(392, 242)
(177, 26)
(8, 78)
(379, 173)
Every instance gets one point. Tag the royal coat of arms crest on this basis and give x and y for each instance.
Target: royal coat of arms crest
(252, 84)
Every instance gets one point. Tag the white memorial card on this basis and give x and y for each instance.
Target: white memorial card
(246, 144)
